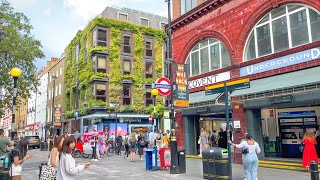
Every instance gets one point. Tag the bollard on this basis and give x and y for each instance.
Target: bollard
(314, 170)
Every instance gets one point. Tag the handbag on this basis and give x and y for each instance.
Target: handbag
(47, 172)
(245, 150)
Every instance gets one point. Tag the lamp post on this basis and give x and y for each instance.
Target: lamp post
(15, 73)
(174, 169)
(53, 107)
(154, 94)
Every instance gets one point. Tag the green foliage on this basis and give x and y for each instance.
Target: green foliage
(115, 75)
(22, 50)
(159, 110)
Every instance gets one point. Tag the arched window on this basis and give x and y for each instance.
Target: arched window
(283, 28)
(208, 55)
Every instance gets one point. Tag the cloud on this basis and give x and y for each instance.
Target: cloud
(47, 12)
(23, 4)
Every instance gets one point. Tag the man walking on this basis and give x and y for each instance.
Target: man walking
(93, 142)
(4, 143)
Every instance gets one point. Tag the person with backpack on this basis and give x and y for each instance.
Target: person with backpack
(19, 156)
(4, 143)
(126, 145)
(68, 168)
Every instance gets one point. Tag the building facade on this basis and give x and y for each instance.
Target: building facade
(110, 68)
(6, 121)
(21, 116)
(31, 117)
(273, 43)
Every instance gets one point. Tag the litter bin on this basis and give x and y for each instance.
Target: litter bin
(151, 159)
(215, 163)
(182, 161)
(43, 146)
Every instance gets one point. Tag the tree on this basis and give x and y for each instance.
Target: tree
(18, 48)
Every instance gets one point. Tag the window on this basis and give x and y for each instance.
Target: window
(127, 66)
(281, 29)
(149, 99)
(100, 93)
(49, 97)
(99, 37)
(149, 70)
(126, 94)
(77, 52)
(208, 55)
(187, 5)
(100, 64)
(57, 73)
(123, 17)
(144, 21)
(162, 25)
(60, 70)
(56, 91)
(148, 48)
(127, 44)
(60, 88)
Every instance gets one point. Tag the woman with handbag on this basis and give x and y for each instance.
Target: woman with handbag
(19, 155)
(250, 148)
(67, 168)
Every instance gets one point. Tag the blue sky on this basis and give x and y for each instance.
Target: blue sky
(56, 22)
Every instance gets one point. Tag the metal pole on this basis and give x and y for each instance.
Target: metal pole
(53, 107)
(154, 111)
(228, 129)
(314, 170)
(170, 65)
(15, 79)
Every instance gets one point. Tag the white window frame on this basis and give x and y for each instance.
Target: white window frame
(60, 70)
(160, 23)
(123, 14)
(60, 88)
(287, 15)
(143, 18)
(217, 42)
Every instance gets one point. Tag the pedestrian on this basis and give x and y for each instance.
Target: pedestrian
(165, 140)
(132, 144)
(202, 140)
(95, 152)
(213, 138)
(67, 168)
(318, 140)
(309, 150)
(119, 141)
(4, 143)
(126, 144)
(19, 154)
(222, 139)
(55, 154)
(250, 161)
(141, 146)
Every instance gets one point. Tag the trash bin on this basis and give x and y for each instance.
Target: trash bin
(43, 146)
(165, 158)
(151, 159)
(215, 163)
(182, 161)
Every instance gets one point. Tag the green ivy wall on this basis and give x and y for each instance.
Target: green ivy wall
(115, 75)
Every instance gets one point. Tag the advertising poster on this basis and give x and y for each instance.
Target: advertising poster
(122, 129)
(182, 90)
(95, 128)
(85, 129)
(100, 127)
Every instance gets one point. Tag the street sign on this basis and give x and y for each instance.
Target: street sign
(150, 119)
(163, 85)
(76, 114)
(232, 85)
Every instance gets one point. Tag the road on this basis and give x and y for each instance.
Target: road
(117, 167)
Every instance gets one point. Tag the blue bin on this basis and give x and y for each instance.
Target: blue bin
(151, 159)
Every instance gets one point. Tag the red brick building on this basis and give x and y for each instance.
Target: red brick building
(274, 43)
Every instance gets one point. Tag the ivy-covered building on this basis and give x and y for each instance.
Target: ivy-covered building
(115, 63)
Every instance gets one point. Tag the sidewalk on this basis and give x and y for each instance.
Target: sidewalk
(118, 168)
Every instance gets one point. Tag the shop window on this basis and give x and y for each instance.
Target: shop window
(208, 55)
(127, 66)
(126, 94)
(149, 100)
(148, 48)
(283, 28)
(127, 44)
(99, 37)
(149, 70)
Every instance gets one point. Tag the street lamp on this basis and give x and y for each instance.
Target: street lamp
(15, 73)
(53, 107)
(154, 94)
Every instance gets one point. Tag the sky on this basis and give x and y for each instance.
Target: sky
(56, 22)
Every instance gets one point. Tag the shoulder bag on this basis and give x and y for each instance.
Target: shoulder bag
(47, 172)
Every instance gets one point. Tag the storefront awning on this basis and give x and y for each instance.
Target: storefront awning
(120, 115)
(201, 97)
(297, 78)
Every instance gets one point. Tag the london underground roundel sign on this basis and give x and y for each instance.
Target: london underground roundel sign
(163, 85)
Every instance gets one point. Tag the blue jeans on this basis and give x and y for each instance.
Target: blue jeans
(250, 164)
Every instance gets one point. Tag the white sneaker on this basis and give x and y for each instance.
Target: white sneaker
(95, 160)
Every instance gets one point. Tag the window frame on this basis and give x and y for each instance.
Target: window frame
(128, 59)
(151, 40)
(143, 18)
(121, 13)
(130, 93)
(96, 41)
(94, 91)
(130, 45)
(95, 63)
(160, 25)
(288, 24)
(145, 70)
(148, 87)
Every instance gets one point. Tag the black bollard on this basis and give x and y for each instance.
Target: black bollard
(314, 170)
